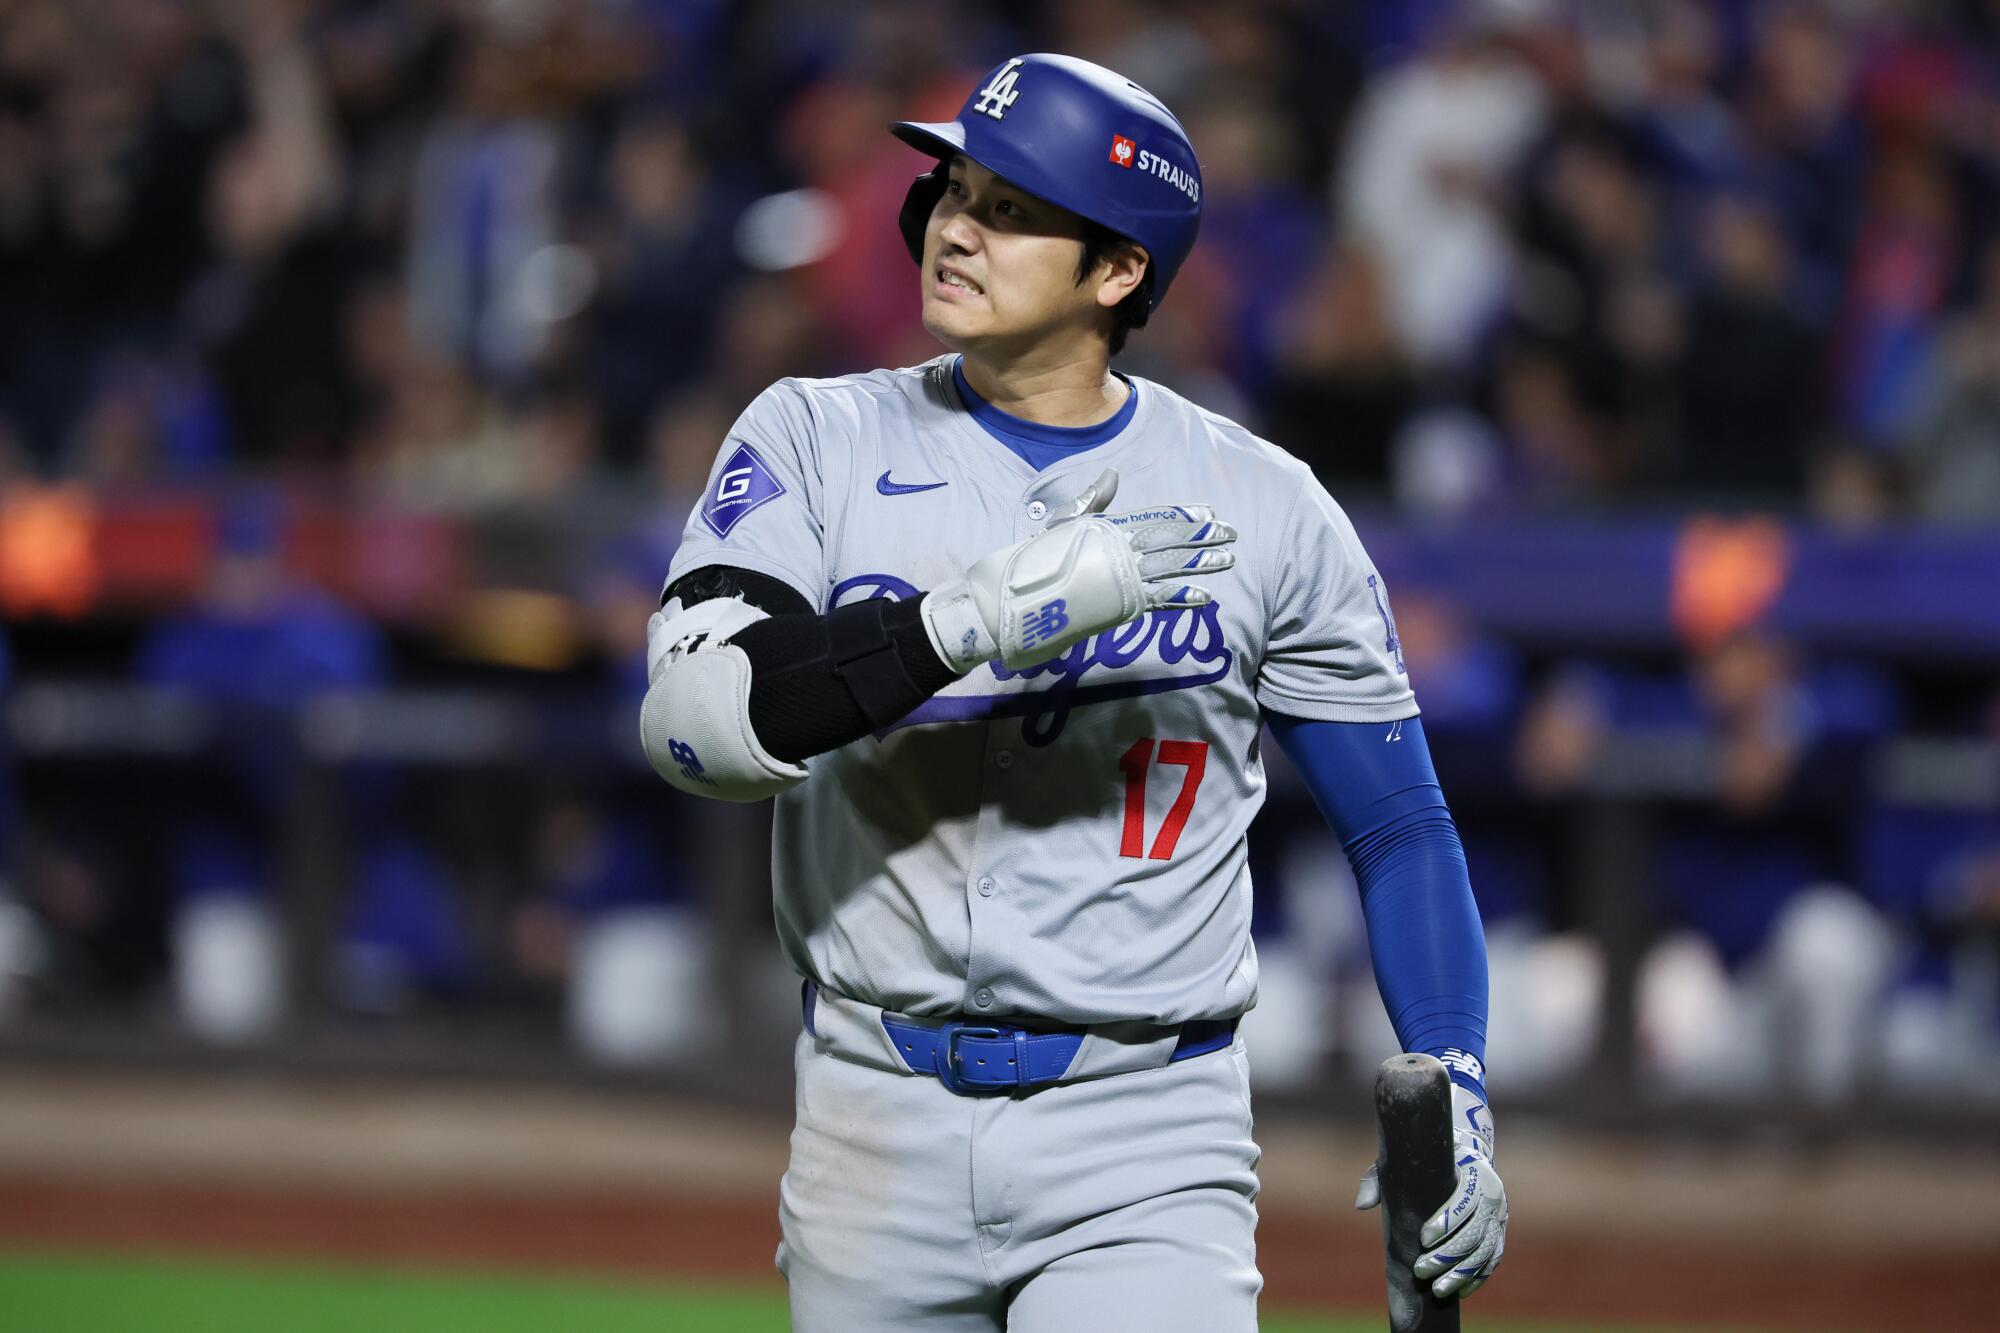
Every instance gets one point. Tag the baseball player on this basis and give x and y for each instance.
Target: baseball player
(1001, 633)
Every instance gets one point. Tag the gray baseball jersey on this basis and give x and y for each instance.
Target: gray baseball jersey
(1065, 842)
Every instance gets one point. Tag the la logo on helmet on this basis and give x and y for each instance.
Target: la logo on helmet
(1000, 93)
(1122, 150)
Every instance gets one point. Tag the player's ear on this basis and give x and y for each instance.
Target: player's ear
(1119, 274)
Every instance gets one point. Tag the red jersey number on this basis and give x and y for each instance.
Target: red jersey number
(1138, 760)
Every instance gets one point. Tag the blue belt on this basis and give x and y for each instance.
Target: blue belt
(974, 1058)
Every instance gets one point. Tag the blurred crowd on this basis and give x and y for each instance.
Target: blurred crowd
(1480, 253)
(1471, 259)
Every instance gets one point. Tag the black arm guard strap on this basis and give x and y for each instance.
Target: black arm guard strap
(866, 659)
(818, 682)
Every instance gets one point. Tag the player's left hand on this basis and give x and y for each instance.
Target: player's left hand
(1469, 1234)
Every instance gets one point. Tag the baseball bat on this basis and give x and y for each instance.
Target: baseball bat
(1414, 1161)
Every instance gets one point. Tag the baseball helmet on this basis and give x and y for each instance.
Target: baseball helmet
(1080, 136)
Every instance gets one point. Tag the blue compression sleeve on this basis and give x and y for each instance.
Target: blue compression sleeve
(1375, 784)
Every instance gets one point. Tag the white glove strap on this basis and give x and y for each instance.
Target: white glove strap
(1471, 1122)
(956, 629)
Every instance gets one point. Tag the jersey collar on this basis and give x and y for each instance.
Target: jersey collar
(1037, 439)
(1011, 473)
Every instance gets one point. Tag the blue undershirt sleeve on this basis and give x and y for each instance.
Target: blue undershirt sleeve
(1374, 783)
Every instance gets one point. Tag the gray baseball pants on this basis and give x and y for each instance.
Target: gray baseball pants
(1117, 1204)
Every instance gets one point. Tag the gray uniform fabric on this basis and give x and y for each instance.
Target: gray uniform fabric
(1123, 1204)
(985, 857)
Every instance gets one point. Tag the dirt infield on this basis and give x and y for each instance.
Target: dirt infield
(569, 1184)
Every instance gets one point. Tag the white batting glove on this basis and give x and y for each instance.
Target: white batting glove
(1469, 1234)
(1086, 573)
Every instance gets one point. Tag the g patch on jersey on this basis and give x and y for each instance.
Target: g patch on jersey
(743, 484)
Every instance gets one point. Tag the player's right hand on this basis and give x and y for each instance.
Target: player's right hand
(1087, 572)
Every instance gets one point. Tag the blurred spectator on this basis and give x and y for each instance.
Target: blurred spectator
(1433, 143)
(1956, 451)
(1904, 258)
(1767, 976)
(1690, 130)
(1594, 315)
(403, 941)
(1750, 385)
(1557, 451)
(611, 919)
(1805, 145)
(1342, 385)
(666, 255)
(1938, 873)
(1258, 227)
(266, 313)
(258, 648)
(110, 117)
(434, 438)
(488, 179)
(1935, 867)
(260, 636)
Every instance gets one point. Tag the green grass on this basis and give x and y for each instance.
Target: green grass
(88, 1295)
(76, 1294)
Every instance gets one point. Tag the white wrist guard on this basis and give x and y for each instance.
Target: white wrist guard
(695, 722)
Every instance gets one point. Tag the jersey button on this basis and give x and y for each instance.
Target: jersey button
(1004, 759)
(1037, 510)
(983, 998)
(986, 886)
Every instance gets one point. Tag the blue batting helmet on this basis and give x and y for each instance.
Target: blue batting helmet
(1083, 138)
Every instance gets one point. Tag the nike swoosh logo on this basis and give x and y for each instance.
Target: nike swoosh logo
(887, 487)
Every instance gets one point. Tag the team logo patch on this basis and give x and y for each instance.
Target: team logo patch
(1123, 151)
(743, 484)
(1000, 93)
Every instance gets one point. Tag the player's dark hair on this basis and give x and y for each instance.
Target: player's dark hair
(1099, 244)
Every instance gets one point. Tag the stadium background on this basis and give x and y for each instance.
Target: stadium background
(359, 363)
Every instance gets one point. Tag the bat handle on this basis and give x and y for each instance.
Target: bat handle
(1416, 1171)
